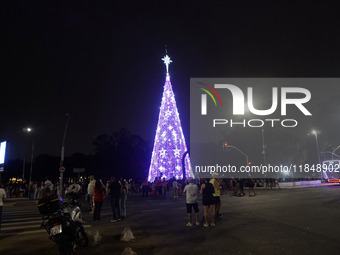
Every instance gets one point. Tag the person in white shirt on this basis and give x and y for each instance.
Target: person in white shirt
(2, 199)
(191, 191)
(90, 191)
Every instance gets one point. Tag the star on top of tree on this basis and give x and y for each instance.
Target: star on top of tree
(167, 62)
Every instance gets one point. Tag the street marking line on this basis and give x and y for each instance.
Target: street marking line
(25, 212)
(22, 215)
(41, 231)
(18, 223)
(21, 211)
(20, 227)
(20, 220)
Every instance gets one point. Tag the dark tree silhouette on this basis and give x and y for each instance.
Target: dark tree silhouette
(122, 154)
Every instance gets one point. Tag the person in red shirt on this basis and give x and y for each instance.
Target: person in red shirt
(98, 198)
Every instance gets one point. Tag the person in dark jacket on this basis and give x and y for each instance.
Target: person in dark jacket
(114, 190)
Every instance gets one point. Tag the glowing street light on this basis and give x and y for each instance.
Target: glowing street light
(315, 133)
(29, 130)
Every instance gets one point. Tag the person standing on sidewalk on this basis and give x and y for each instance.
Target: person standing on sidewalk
(114, 191)
(164, 186)
(207, 191)
(174, 187)
(90, 190)
(98, 198)
(2, 200)
(217, 194)
(123, 198)
(191, 191)
(251, 185)
(145, 188)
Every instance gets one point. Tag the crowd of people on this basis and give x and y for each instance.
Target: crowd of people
(30, 190)
(116, 191)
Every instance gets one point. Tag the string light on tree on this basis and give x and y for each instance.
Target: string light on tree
(169, 145)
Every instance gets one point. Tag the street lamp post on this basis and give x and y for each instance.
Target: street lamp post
(264, 152)
(29, 130)
(263, 148)
(315, 133)
(233, 147)
(61, 168)
(31, 168)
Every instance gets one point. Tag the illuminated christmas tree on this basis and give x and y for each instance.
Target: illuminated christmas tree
(169, 146)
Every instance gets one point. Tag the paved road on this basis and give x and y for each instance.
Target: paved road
(18, 220)
(286, 221)
(22, 218)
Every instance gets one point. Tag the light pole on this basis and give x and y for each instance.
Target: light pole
(31, 168)
(315, 133)
(226, 145)
(29, 130)
(263, 148)
(264, 152)
(62, 168)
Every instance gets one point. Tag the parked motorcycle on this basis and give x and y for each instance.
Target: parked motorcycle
(72, 208)
(63, 222)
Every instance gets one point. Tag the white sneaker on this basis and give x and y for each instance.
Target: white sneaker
(189, 224)
(197, 223)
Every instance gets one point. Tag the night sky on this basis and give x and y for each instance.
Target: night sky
(101, 62)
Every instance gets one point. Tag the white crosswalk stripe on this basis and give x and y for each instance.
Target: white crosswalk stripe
(19, 223)
(16, 221)
(22, 222)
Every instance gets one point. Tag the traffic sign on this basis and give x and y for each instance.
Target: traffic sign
(62, 169)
